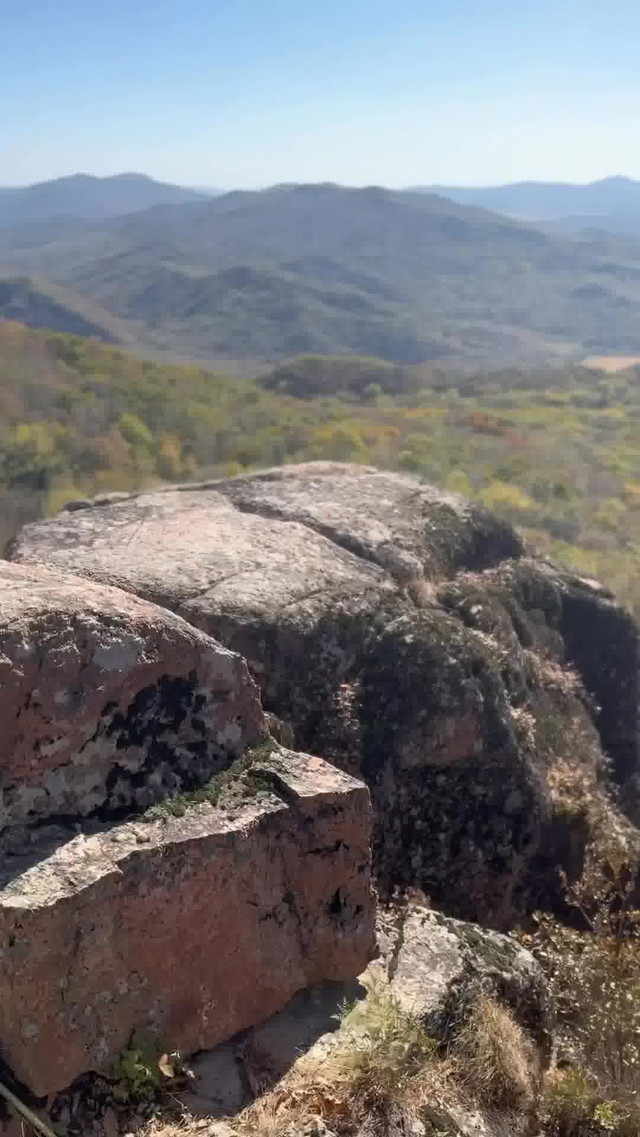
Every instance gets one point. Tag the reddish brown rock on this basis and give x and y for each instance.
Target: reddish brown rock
(400, 632)
(108, 702)
(191, 928)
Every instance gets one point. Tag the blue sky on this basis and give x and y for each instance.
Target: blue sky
(250, 92)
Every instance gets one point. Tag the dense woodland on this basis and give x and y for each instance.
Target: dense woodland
(555, 451)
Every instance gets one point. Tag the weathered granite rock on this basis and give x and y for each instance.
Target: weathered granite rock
(411, 529)
(190, 928)
(401, 633)
(193, 551)
(436, 966)
(107, 703)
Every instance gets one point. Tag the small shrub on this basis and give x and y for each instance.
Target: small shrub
(599, 979)
(573, 1108)
(143, 1069)
(569, 1103)
(594, 976)
(136, 1070)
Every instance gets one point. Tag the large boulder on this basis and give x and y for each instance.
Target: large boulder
(401, 633)
(108, 703)
(187, 926)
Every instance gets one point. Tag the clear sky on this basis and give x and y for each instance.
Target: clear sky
(249, 92)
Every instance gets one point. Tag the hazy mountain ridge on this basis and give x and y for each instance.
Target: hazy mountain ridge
(609, 203)
(407, 276)
(85, 197)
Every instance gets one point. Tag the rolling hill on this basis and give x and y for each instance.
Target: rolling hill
(84, 197)
(45, 306)
(408, 277)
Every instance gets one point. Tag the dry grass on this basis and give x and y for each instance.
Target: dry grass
(381, 1059)
(159, 1128)
(550, 675)
(385, 1048)
(567, 743)
(578, 795)
(383, 1065)
(494, 1058)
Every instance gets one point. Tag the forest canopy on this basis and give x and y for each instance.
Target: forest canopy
(555, 451)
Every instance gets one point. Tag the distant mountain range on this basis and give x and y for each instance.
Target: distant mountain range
(406, 276)
(84, 197)
(612, 204)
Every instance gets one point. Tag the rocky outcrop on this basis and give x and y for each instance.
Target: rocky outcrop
(164, 866)
(108, 703)
(572, 620)
(401, 633)
(436, 966)
(188, 926)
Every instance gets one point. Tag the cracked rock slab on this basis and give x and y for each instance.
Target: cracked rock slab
(411, 529)
(186, 928)
(108, 702)
(266, 546)
(193, 551)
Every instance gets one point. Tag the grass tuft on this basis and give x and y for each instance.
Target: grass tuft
(495, 1059)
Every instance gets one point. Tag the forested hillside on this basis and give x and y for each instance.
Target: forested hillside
(408, 277)
(557, 452)
(50, 306)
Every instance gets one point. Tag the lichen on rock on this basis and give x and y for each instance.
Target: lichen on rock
(400, 632)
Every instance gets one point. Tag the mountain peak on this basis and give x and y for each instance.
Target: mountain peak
(88, 197)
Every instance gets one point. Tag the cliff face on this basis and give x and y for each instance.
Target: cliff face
(402, 634)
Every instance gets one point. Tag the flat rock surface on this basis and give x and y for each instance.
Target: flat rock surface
(410, 529)
(189, 928)
(196, 553)
(275, 547)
